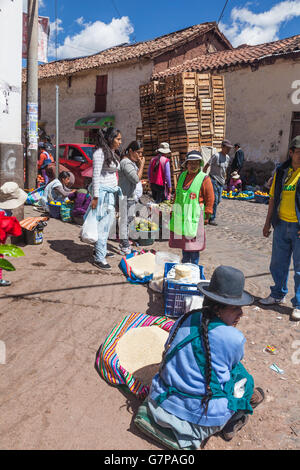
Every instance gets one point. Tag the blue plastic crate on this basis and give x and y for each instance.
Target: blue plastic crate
(175, 293)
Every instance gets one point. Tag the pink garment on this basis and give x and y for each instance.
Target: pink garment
(158, 177)
(234, 184)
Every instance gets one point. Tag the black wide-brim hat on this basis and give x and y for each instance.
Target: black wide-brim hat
(226, 287)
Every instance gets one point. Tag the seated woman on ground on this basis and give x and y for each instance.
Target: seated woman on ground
(57, 190)
(202, 388)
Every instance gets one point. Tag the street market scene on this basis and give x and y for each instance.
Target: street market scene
(150, 234)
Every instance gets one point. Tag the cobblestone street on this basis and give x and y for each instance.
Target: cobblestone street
(59, 309)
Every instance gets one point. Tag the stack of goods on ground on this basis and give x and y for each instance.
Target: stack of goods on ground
(186, 110)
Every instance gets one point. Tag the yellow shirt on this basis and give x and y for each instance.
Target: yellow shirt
(287, 207)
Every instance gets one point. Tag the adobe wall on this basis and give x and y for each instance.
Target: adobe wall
(78, 100)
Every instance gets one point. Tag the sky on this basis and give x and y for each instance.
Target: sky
(89, 26)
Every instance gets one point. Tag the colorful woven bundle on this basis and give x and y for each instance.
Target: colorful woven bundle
(126, 269)
(107, 361)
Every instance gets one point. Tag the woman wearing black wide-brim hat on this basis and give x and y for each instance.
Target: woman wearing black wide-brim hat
(202, 388)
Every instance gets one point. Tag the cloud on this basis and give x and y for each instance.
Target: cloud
(257, 28)
(93, 37)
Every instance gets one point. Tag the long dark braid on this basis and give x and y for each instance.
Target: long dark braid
(209, 311)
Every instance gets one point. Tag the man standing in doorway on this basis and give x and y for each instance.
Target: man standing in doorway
(218, 164)
(284, 215)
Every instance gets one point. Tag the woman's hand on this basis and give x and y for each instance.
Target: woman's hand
(94, 203)
(141, 160)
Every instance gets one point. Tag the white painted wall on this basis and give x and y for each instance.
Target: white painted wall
(79, 100)
(10, 70)
(259, 108)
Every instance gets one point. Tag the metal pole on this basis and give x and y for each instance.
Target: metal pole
(32, 95)
(57, 130)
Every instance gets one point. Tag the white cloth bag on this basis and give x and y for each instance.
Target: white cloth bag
(89, 230)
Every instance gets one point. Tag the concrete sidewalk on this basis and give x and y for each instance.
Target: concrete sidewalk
(60, 308)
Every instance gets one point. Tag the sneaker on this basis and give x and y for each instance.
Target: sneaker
(271, 301)
(295, 314)
(230, 429)
(257, 398)
(110, 254)
(101, 265)
(213, 222)
(4, 283)
(125, 250)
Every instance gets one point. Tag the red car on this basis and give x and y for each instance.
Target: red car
(77, 158)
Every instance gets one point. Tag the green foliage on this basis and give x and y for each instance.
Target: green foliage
(11, 250)
(6, 265)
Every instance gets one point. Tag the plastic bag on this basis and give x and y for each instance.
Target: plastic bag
(89, 230)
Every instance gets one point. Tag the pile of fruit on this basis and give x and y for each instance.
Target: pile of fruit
(243, 195)
(260, 193)
(55, 203)
(146, 226)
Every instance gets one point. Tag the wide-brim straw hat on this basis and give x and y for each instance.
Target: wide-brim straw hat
(235, 175)
(226, 287)
(164, 147)
(11, 196)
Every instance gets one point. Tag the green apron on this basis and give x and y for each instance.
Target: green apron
(186, 209)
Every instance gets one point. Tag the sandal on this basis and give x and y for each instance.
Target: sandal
(257, 397)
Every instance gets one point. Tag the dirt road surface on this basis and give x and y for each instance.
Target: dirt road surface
(60, 308)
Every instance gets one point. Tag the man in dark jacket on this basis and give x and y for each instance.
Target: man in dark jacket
(284, 215)
(238, 159)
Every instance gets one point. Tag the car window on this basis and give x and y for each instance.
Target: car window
(89, 151)
(61, 151)
(75, 154)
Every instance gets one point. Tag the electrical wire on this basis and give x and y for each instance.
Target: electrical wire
(222, 12)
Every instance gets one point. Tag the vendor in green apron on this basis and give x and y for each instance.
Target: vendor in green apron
(192, 208)
(202, 388)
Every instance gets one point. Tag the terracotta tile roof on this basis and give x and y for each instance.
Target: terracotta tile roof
(242, 55)
(123, 53)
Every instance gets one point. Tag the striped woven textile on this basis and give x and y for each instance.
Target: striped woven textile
(31, 222)
(107, 361)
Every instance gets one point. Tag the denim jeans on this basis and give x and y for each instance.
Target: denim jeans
(218, 188)
(190, 257)
(104, 226)
(127, 214)
(286, 243)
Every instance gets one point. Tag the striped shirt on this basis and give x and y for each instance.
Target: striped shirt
(102, 174)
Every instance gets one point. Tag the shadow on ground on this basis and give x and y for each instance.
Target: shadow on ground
(75, 252)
